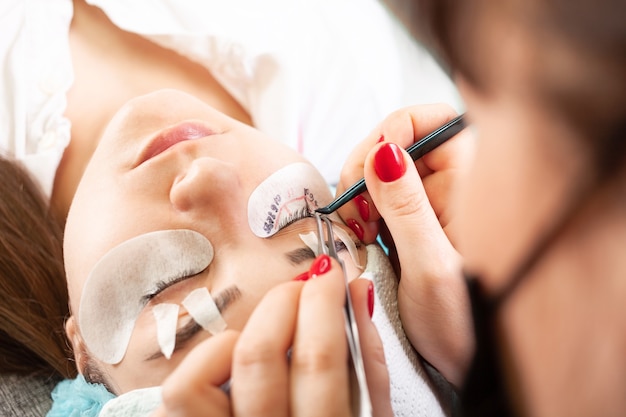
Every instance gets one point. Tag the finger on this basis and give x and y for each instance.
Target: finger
(455, 153)
(361, 216)
(362, 293)
(431, 292)
(403, 127)
(260, 382)
(444, 161)
(392, 253)
(403, 203)
(319, 368)
(445, 166)
(193, 389)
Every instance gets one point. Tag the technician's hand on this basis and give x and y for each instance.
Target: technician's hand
(314, 382)
(414, 199)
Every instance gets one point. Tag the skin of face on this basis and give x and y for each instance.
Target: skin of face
(202, 184)
(559, 331)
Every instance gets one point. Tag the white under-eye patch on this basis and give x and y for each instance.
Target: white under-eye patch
(201, 306)
(350, 245)
(120, 284)
(166, 317)
(311, 240)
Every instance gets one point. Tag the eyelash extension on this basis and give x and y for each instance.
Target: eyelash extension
(339, 246)
(299, 214)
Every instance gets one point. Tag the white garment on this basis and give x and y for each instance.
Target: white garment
(137, 403)
(315, 74)
(36, 74)
(412, 392)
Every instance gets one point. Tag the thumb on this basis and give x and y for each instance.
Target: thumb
(398, 193)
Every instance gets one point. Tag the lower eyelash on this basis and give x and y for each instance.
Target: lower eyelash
(162, 285)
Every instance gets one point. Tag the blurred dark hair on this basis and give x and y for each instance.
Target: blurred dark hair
(33, 291)
(579, 45)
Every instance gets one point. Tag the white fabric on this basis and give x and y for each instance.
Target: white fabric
(36, 74)
(138, 403)
(411, 393)
(316, 74)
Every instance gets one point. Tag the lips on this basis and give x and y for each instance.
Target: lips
(173, 135)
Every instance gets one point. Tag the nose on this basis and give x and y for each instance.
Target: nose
(208, 186)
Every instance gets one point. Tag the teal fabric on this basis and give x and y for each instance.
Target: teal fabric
(78, 398)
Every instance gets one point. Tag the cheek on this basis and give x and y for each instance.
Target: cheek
(494, 201)
(134, 372)
(478, 207)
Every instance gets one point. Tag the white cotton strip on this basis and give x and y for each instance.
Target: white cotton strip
(310, 239)
(115, 291)
(201, 306)
(350, 245)
(166, 317)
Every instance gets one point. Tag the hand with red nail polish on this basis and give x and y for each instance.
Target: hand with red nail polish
(408, 206)
(370, 299)
(363, 206)
(356, 227)
(320, 265)
(304, 323)
(305, 276)
(389, 162)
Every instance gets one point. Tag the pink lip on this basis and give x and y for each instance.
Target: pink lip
(169, 137)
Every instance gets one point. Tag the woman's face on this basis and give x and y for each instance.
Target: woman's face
(527, 164)
(524, 162)
(166, 162)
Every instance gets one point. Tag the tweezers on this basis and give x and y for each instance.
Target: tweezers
(361, 405)
(417, 150)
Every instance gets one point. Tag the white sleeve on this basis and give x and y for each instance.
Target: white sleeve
(37, 73)
(317, 75)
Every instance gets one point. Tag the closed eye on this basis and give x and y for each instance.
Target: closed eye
(162, 285)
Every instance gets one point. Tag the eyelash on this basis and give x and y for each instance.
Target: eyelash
(294, 217)
(303, 213)
(162, 285)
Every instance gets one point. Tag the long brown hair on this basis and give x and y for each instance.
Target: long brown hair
(33, 291)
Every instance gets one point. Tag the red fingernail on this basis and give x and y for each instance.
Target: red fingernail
(381, 139)
(389, 162)
(356, 228)
(303, 277)
(320, 265)
(363, 206)
(370, 299)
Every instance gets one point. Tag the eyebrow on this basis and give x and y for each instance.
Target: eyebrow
(300, 255)
(223, 300)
